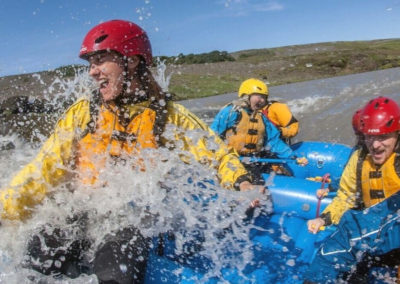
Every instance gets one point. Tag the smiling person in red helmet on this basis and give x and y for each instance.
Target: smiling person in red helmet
(366, 200)
(128, 113)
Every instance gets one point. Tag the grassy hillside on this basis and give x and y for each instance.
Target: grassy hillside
(24, 109)
(284, 65)
(277, 66)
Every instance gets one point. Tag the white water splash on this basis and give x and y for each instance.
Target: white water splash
(168, 196)
(161, 77)
(162, 198)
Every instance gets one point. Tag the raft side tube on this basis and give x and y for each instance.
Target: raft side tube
(323, 158)
(295, 196)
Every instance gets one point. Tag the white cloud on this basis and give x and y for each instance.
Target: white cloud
(246, 7)
(238, 8)
(271, 6)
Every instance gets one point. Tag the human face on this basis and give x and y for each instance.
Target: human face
(107, 69)
(381, 147)
(257, 101)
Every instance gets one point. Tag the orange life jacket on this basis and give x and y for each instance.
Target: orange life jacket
(111, 138)
(265, 112)
(377, 183)
(248, 135)
(280, 115)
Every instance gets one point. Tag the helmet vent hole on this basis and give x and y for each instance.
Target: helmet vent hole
(376, 105)
(389, 123)
(100, 38)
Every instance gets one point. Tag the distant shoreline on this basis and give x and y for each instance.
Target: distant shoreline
(276, 66)
(222, 99)
(32, 119)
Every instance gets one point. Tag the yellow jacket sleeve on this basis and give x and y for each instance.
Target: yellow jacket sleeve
(29, 187)
(346, 197)
(282, 117)
(207, 148)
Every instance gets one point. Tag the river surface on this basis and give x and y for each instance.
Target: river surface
(323, 107)
(132, 197)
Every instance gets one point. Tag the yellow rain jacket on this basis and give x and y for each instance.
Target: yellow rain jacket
(363, 184)
(280, 115)
(58, 155)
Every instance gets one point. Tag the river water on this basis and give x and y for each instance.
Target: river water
(324, 109)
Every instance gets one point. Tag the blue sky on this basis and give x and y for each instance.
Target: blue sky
(39, 35)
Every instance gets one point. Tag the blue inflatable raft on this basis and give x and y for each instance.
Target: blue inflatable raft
(282, 246)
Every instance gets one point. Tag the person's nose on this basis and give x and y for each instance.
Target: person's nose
(376, 143)
(94, 70)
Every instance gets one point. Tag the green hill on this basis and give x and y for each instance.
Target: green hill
(28, 107)
(283, 65)
(202, 75)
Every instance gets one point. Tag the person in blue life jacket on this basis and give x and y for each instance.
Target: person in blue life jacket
(127, 114)
(365, 209)
(247, 130)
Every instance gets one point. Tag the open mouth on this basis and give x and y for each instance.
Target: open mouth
(103, 84)
(258, 106)
(378, 153)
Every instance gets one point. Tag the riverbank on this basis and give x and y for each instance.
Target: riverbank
(30, 103)
(284, 65)
(276, 66)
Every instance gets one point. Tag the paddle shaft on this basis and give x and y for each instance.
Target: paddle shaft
(267, 160)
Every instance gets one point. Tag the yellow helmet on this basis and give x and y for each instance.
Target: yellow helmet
(253, 86)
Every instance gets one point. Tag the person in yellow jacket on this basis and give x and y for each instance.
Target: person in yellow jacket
(371, 176)
(128, 113)
(278, 113)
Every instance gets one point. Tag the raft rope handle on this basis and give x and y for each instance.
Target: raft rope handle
(325, 179)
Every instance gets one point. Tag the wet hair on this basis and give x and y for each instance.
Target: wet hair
(151, 91)
(159, 99)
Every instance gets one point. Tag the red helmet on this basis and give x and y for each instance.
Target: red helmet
(380, 116)
(356, 121)
(121, 36)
